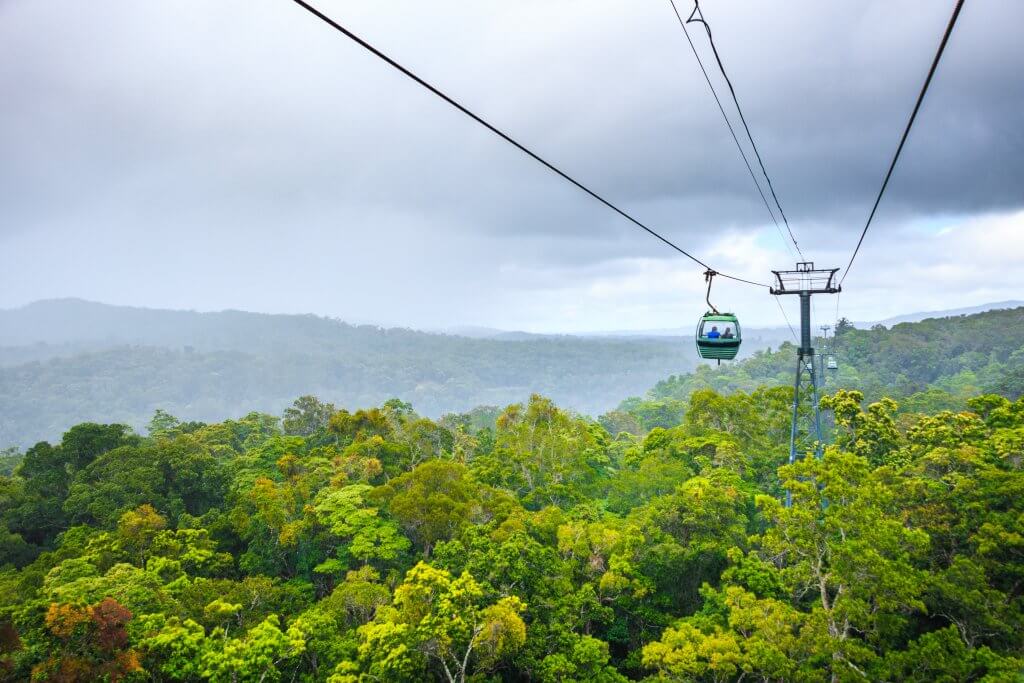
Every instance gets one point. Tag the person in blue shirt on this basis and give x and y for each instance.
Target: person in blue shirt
(713, 334)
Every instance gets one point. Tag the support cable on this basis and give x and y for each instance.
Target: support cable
(835, 336)
(786, 317)
(507, 138)
(697, 16)
(906, 131)
(728, 123)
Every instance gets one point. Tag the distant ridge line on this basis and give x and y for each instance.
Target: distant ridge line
(84, 307)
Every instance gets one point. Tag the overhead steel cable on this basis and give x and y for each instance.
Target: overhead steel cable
(728, 123)
(786, 317)
(507, 138)
(835, 337)
(906, 132)
(697, 16)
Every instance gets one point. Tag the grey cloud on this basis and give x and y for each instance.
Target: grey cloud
(237, 126)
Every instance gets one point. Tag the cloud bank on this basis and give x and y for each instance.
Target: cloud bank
(241, 154)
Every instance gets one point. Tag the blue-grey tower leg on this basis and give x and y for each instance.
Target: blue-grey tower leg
(819, 440)
(805, 357)
(792, 427)
(804, 281)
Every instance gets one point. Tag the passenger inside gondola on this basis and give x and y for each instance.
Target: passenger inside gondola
(728, 333)
(714, 333)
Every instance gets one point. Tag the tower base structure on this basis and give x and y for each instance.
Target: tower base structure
(805, 433)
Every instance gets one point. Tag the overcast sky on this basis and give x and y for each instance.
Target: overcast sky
(240, 154)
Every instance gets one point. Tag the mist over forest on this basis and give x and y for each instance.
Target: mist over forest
(67, 361)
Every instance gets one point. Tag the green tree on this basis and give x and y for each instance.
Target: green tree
(872, 433)
(256, 656)
(306, 416)
(433, 502)
(48, 472)
(163, 424)
(843, 542)
(438, 621)
(361, 532)
(175, 476)
(544, 455)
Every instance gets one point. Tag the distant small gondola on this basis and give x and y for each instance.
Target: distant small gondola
(718, 334)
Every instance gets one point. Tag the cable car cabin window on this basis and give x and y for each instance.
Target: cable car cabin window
(719, 330)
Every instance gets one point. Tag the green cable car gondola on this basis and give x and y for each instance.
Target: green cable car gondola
(718, 334)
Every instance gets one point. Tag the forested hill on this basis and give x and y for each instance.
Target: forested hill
(62, 327)
(71, 361)
(77, 324)
(930, 365)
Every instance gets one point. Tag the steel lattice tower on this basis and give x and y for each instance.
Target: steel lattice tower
(805, 430)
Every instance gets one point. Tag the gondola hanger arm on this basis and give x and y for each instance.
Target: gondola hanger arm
(708, 275)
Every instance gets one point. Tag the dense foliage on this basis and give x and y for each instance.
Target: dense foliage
(525, 544)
